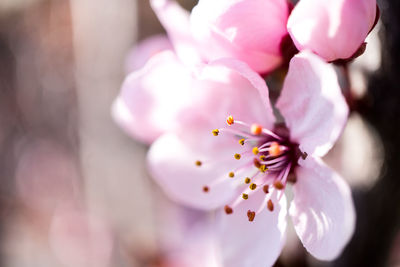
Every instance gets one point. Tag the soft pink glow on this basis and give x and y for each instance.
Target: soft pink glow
(79, 239)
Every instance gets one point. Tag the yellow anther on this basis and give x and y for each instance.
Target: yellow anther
(237, 156)
(253, 186)
(263, 168)
(245, 196)
(241, 141)
(198, 163)
(231, 174)
(263, 157)
(256, 129)
(215, 132)
(255, 150)
(230, 120)
(247, 180)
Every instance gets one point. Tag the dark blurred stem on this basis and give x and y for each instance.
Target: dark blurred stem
(378, 210)
(346, 89)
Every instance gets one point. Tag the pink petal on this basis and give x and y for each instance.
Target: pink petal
(171, 163)
(186, 236)
(151, 98)
(242, 30)
(322, 209)
(222, 88)
(312, 104)
(226, 87)
(332, 29)
(144, 50)
(257, 243)
(176, 22)
(256, 90)
(196, 245)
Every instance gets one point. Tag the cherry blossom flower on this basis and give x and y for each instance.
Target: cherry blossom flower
(149, 114)
(248, 30)
(333, 29)
(244, 169)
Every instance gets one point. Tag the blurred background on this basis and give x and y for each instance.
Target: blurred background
(74, 189)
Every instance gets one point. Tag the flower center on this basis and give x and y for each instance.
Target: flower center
(268, 163)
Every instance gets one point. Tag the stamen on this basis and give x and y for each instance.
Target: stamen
(256, 163)
(215, 132)
(238, 132)
(251, 215)
(270, 205)
(253, 186)
(253, 139)
(279, 159)
(265, 145)
(266, 131)
(230, 120)
(278, 165)
(271, 155)
(263, 168)
(228, 210)
(242, 123)
(266, 189)
(255, 150)
(278, 185)
(270, 152)
(247, 191)
(286, 173)
(256, 129)
(263, 130)
(198, 163)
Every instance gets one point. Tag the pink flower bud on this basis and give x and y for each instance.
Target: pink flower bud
(249, 30)
(333, 29)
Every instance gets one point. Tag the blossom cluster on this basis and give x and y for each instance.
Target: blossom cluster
(217, 142)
